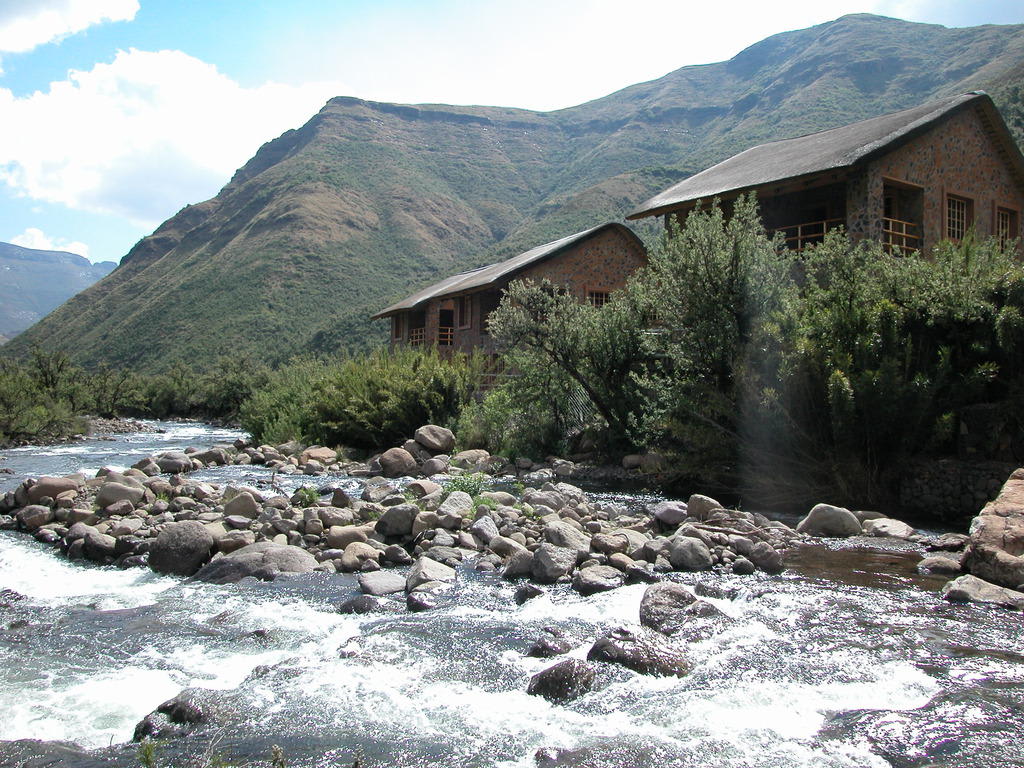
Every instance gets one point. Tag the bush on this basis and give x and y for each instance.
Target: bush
(382, 398)
(279, 410)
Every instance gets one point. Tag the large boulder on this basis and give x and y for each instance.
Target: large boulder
(174, 462)
(664, 607)
(996, 549)
(262, 560)
(671, 513)
(701, 507)
(319, 453)
(425, 570)
(397, 520)
(689, 554)
(112, 493)
(397, 462)
(562, 533)
(551, 562)
(565, 681)
(52, 487)
(887, 528)
(470, 459)
(180, 549)
(644, 652)
(435, 439)
(378, 583)
(828, 521)
(33, 516)
(597, 578)
(243, 504)
(971, 589)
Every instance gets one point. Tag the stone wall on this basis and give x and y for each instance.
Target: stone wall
(951, 490)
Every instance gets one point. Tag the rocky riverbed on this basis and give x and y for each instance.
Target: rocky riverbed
(664, 582)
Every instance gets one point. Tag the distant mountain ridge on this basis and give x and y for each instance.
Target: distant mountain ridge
(368, 201)
(36, 282)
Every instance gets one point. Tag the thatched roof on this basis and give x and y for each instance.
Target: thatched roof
(484, 277)
(832, 150)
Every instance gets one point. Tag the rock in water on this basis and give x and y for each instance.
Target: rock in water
(396, 462)
(181, 548)
(971, 589)
(663, 607)
(262, 560)
(565, 681)
(597, 578)
(826, 520)
(435, 439)
(996, 549)
(643, 652)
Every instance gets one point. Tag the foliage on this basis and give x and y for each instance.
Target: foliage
(474, 484)
(279, 410)
(383, 397)
(307, 496)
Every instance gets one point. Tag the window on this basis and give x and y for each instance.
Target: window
(397, 327)
(597, 298)
(1007, 226)
(959, 216)
(464, 311)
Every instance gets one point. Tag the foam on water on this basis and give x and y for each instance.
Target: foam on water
(47, 578)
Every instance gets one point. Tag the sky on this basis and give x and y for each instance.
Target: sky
(115, 114)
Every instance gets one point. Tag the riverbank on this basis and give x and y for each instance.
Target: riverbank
(475, 641)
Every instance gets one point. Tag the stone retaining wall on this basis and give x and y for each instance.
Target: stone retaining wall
(949, 489)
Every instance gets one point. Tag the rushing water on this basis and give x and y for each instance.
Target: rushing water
(848, 659)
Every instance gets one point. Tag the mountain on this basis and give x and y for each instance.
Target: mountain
(37, 282)
(368, 201)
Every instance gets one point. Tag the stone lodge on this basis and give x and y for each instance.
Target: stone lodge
(908, 179)
(452, 314)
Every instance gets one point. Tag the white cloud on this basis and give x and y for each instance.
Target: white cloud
(144, 134)
(36, 238)
(26, 24)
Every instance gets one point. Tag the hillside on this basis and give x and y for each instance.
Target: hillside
(368, 201)
(37, 282)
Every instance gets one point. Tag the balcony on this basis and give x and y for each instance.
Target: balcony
(416, 336)
(445, 336)
(796, 237)
(900, 238)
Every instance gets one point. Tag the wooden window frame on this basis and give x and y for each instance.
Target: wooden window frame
(968, 222)
(464, 319)
(397, 327)
(591, 295)
(1014, 215)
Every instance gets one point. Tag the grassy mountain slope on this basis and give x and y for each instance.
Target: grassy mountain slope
(367, 201)
(36, 282)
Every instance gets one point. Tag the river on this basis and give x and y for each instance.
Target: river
(847, 659)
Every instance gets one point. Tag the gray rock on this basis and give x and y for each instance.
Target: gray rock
(360, 604)
(939, 564)
(828, 521)
(99, 546)
(416, 602)
(561, 533)
(504, 546)
(340, 536)
(181, 548)
(700, 507)
(397, 520)
(262, 560)
(597, 578)
(644, 652)
(519, 565)
(484, 529)
(111, 493)
(427, 569)
(52, 487)
(565, 681)
(34, 516)
(671, 513)
(741, 566)
(397, 462)
(766, 557)
(435, 439)
(242, 505)
(356, 555)
(971, 589)
(527, 592)
(689, 554)
(887, 528)
(174, 462)
(663, 607)
(551, 562)
(458, 503)
(381, 583)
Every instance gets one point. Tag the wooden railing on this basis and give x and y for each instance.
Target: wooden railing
(796, 237)
(416, 335)
(900, 238)
(445, 336)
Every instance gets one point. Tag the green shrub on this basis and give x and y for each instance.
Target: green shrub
(473, 484)
(279, 411)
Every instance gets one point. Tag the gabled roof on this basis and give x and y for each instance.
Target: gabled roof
(483, 277)
(831, 150)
